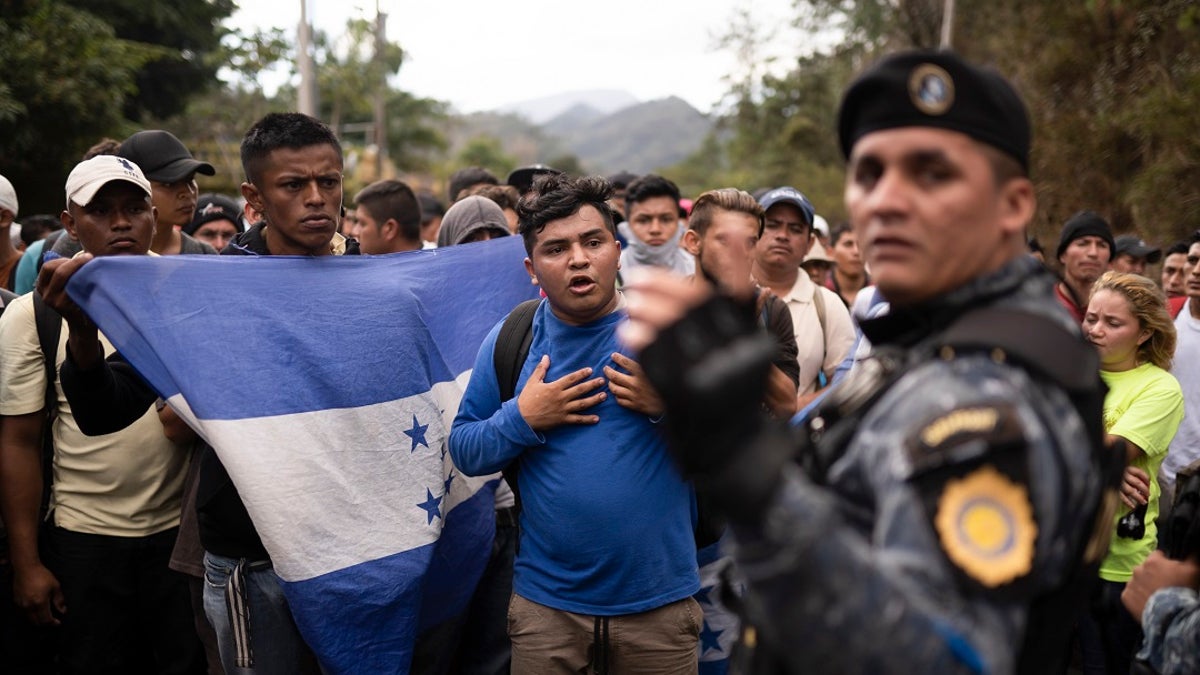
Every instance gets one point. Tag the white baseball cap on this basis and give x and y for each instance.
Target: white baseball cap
(90, 175)
(821, 226)
(8, 196)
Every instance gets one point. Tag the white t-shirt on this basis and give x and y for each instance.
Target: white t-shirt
(124, 484)
(1185, 448)
(818, 351)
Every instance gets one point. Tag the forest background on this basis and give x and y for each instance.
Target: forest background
(1113, 88)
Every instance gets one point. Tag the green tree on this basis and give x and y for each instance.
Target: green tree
(66, 79)
(349, 75)
(212, 125)
(567, 163)
(488, 152)
(246, 56)
(189, 29)
(415, 142)
(1110, 84)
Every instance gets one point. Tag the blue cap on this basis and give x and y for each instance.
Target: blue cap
(789, 195)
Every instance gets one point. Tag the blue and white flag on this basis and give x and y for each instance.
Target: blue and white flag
(327, 387)
(720, 629)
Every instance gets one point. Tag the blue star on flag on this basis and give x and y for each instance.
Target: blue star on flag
(417, 434)
(432, 506)
(449, 480)
(702, 596)
(709, 639)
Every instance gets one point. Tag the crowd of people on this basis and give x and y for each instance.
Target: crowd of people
(921, 447)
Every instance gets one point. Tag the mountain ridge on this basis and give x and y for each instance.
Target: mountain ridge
(642, 137)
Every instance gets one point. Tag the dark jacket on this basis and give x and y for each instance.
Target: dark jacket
(878, 532)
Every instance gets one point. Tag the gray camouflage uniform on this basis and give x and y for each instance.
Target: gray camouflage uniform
(1171, 622)
(855, 577)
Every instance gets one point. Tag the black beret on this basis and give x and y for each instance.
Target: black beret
(935, 89)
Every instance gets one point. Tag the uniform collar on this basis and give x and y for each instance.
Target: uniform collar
(907, 326)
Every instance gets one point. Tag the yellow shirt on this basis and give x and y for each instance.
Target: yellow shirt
(125, 484)
(1144, 405)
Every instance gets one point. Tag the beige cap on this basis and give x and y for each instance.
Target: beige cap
(816, 253)
(90, 175)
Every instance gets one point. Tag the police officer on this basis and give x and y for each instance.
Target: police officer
(937, 513)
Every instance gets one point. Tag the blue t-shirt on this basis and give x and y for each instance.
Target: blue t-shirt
(606, 520)
(27, 268)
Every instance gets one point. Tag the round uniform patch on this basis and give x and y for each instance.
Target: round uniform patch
(931, 89)
(986, 526)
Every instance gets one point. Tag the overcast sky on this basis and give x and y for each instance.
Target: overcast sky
(479, 54)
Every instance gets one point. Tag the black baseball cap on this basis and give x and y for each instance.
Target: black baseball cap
(162, 157)
(522, 178)
(211, 206)
(1132, 245)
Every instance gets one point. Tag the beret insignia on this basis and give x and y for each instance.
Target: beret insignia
(931, 89)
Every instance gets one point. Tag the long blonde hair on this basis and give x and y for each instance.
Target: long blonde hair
(1149, 306)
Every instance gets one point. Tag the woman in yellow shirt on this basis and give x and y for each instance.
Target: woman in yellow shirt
(1128, 322)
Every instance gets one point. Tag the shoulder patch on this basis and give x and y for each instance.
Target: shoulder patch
(966, 420)
(963, 434)
(986, 526)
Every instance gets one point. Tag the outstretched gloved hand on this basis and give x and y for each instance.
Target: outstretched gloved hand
(708, 359)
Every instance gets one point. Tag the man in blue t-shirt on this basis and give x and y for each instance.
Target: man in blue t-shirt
(606, 563)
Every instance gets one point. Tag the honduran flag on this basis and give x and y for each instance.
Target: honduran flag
(327, 387)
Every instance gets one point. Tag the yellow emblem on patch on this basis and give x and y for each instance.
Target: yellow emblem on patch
(986, 526)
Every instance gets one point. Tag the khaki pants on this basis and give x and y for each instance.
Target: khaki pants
(659, 641)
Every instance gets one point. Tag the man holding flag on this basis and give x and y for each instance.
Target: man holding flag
(115, 500)
(293, 164)
(319, 489)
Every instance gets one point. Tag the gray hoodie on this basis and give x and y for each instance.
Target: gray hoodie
(470, 215)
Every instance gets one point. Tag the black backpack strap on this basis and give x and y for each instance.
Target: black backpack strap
(1034, 340)
(49, 330)
(512, 347)
(508, 356)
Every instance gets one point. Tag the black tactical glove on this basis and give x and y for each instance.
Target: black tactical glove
(710, 368)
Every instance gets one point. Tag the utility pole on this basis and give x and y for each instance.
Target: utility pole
(307, 95)
(381, 152)
(947, 25)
